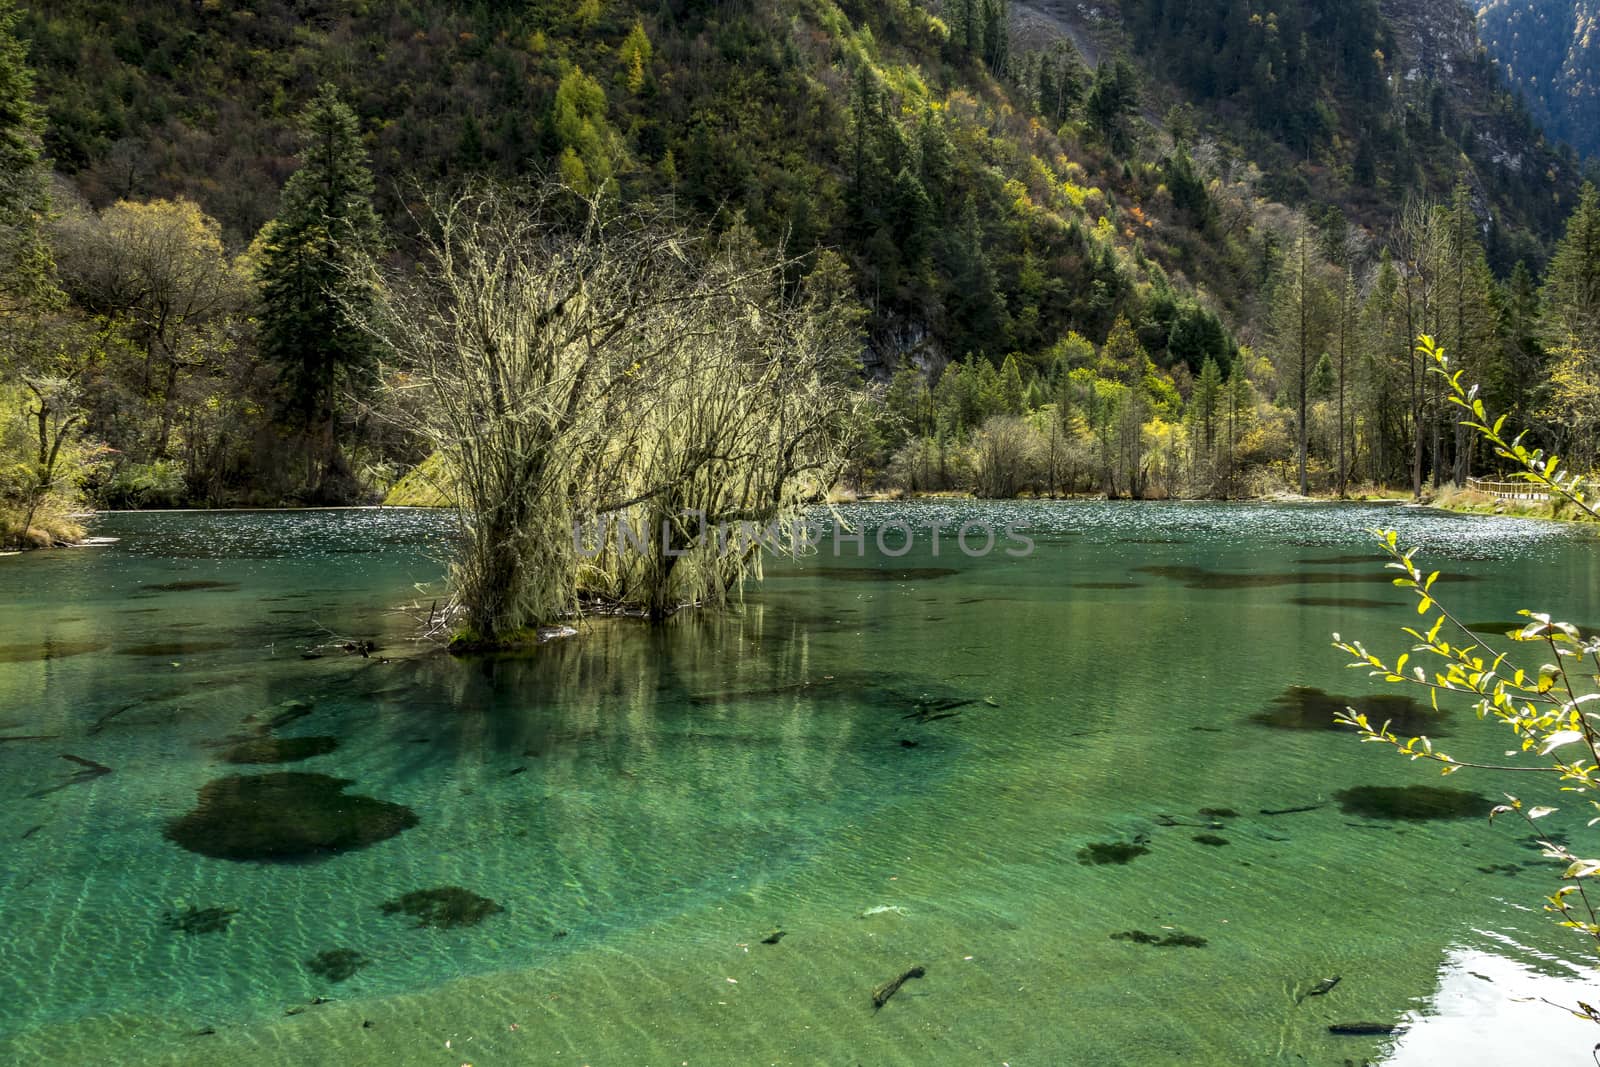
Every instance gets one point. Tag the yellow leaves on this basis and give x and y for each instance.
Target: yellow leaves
(1017, 193)
(1581, 869)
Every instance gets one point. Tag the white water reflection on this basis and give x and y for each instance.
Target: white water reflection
(1501, 1008)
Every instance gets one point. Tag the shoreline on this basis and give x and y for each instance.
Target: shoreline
(1449, 500)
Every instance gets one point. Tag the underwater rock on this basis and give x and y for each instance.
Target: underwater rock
(1304, 707)
(443, 908)
(336, 964)
(284, 816)
(199, 920)
(1211, 839)
(881, 995)
(1098, 853)
(1411, 802)
(1175, 939)
(279, 749)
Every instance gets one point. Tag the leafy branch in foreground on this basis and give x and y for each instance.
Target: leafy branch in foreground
(1545, 707)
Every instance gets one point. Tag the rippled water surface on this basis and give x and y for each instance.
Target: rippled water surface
(1088, 790)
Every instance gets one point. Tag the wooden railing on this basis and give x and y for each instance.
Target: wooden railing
(1507, 490)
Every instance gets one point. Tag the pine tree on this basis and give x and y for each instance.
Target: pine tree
(1572, 287)
(635, 55)
(308, 283)
(1520, 334)
(587, 141)
(975, 306)
(1205, 401)
(996, 36)
(1012, 395)
(1122, 357)
(1572, 331)
(1112, 101)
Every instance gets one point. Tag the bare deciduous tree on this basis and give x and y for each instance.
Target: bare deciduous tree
(570, 365)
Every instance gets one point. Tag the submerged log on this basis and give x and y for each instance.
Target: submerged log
(881, 995)
(1293, 811)
(91, 771)
(1364, 1029)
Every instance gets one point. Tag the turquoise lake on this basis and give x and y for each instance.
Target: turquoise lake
(874, 764)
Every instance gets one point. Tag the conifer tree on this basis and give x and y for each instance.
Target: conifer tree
(1205, 402)
(309, 287)
(1012, 395)
(1572, 330)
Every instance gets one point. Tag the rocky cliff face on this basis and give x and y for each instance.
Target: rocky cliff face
(1434, 38)
(1438, 53)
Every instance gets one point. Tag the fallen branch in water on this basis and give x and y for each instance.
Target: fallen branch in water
(91, 771)
(1292, 811)
(881, 995)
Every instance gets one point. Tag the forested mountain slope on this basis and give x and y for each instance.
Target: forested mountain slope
(873, 127)
(1549, 51)
(1136, 247)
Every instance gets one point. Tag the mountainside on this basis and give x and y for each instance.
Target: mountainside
(1549, 51)
(978, 216)
(1356, 104)
(1138, 247)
